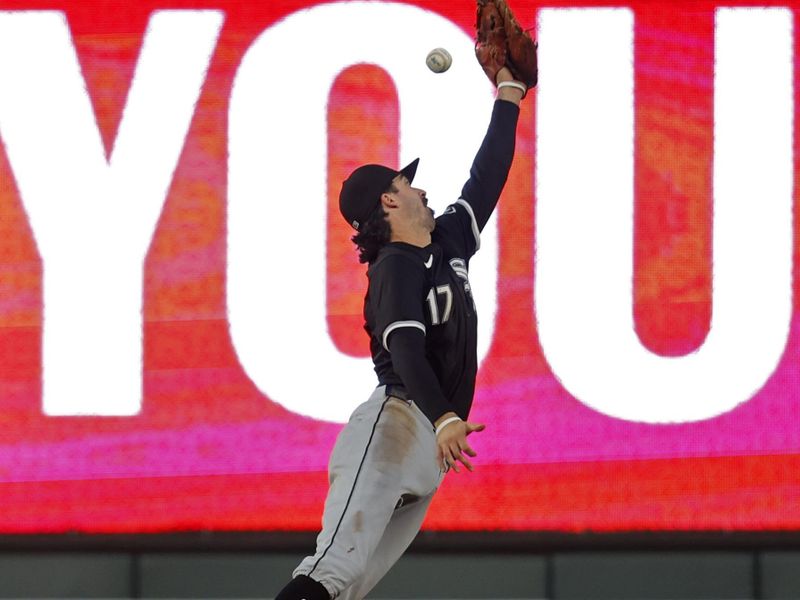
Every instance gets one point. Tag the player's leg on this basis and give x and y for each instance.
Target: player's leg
(399, 533)
(366, 477)
(421, 479)
(343, 467)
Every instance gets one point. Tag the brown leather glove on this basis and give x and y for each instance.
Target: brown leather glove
(490, 43)
(501, 41)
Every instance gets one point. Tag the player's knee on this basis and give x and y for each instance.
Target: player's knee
(303, 587)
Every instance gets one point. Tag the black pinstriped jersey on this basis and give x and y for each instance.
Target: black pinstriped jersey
(428, 288)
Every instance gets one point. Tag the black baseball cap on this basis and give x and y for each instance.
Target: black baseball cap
(361, 192)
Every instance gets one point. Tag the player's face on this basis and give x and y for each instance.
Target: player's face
(412, 204)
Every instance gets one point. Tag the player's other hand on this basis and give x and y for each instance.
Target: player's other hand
(452, 444)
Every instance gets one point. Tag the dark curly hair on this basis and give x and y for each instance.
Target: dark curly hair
(374, 233)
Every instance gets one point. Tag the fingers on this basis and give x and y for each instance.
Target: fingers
(465, 461)
(474, 427)
(455, 453)
(448, 458)
(453, 447)
(455, 458)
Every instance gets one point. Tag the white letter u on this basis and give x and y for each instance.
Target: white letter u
(584, 229)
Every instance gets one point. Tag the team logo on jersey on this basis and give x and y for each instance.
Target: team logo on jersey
(450, 209)
(459, 266)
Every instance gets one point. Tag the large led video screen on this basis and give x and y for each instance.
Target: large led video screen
(181, 330)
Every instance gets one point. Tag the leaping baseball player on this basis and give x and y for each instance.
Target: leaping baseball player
(390, 458)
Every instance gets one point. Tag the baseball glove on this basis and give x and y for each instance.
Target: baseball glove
(501, 41)
(490, 44)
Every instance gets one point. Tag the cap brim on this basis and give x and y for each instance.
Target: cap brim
(410, 170)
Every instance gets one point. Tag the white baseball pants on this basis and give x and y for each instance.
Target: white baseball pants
(382, 475)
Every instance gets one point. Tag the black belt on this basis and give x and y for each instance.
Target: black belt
(397, 391)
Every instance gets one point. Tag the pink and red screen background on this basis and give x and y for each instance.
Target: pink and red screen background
(208, 450)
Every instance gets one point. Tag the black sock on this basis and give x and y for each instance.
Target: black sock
(303, 587)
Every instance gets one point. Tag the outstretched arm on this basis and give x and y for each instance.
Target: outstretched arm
(492, 163)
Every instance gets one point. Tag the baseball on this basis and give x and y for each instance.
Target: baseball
(439, 60)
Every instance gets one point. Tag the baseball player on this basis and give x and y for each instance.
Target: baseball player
(391, 456)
